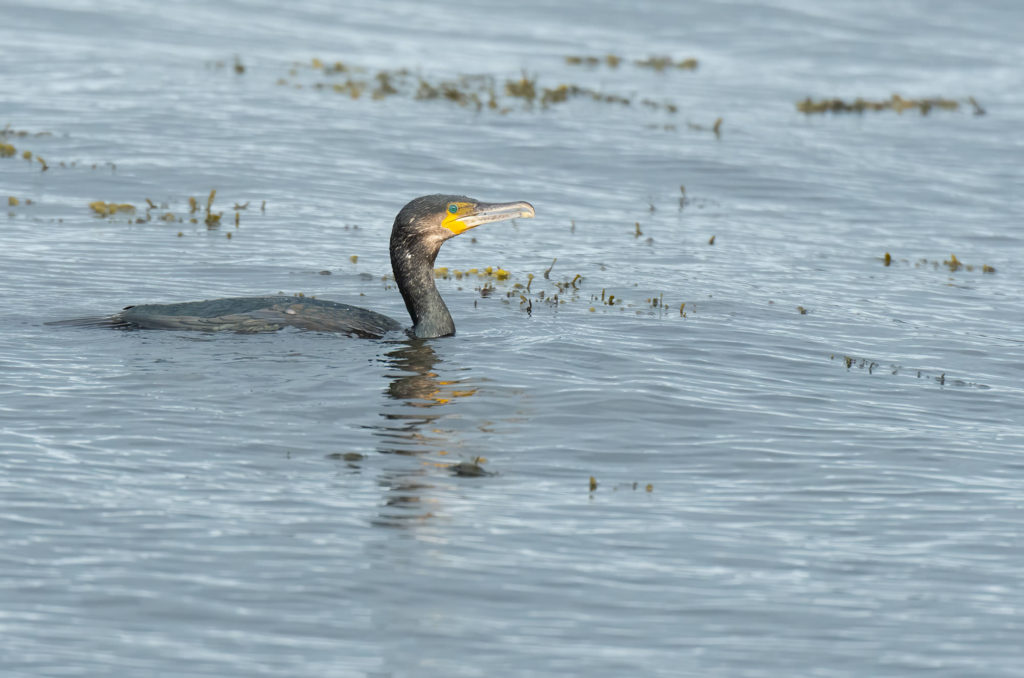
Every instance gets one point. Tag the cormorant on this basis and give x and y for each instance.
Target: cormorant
(420, 229)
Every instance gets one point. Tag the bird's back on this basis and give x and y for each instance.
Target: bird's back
(251, 314)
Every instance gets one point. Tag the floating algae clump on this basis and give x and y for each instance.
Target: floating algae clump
(660, 63)
(524, 88)
(106, 209)
(895, 103)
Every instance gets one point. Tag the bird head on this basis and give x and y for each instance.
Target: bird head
(432, 219)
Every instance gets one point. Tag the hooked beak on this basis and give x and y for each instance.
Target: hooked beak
(485, 213)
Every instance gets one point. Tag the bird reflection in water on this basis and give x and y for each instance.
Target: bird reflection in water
(413, 426)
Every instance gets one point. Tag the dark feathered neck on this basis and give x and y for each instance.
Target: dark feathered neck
(412, 261)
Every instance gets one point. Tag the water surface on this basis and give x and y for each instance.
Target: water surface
(834, 492)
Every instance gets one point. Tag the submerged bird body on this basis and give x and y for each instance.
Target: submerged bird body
(416, 237)
(257, 314)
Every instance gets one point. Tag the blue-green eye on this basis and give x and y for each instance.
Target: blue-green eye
(452, 209)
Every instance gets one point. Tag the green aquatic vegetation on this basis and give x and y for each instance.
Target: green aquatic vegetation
(9, 151)
(568, 290)
(427, 91)
(893, 369)
(658, 63)
(351, 87)
(953, 264)
(384, 88)
(662, 63)
(106, 209)
(523, 88)
(9, 131)
(557, 95)
(716, 127)
(452, 92)
(350, 457)
(658, 105)
(471, 91)
(894, 103)
(212, 219)
(611, 60)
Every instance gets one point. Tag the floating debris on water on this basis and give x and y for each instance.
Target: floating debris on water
(872, 366)
(953, 264)
(212, 220)
(655, 62)
(471, 469)
(473, 91)
(106, 209)
(895, 103)
(524, 88)
(661, 63)
(716, 128)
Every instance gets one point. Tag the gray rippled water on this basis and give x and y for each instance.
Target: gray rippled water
(772, 453)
